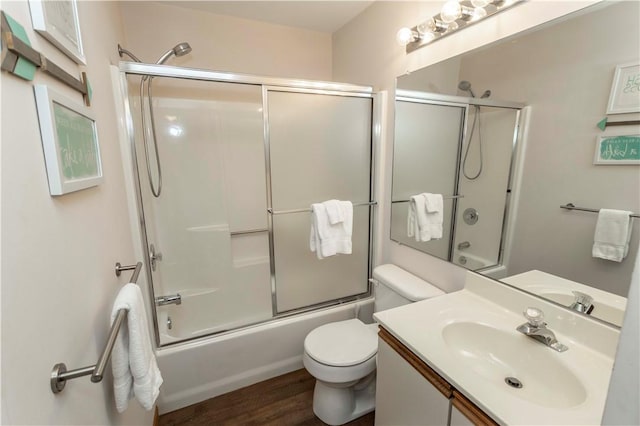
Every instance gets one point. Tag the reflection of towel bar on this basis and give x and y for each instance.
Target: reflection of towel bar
(248, 231)
(445, 197)
(308, 209)
(60, 375)
(570, 206)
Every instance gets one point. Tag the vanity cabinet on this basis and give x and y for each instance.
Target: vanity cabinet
(409, 392)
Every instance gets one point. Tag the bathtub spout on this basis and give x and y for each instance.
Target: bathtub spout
(169, 300)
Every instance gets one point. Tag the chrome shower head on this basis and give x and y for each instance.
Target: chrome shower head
(465, 86)
(486, 94)
(180, 49)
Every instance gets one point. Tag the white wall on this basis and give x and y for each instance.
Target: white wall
(365, 52)
(58, 254)
(225, 43)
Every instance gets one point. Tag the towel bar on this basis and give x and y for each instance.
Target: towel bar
(570, 206)
(445, 197)
(60, 374)
(308, 209)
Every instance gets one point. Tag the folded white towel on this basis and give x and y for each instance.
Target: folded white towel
(417, 218)
(135, 371)
(434, 205)
(425, 217)
(612, 235)
(335, 210)
(326, 239)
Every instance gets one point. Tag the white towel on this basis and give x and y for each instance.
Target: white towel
(434, 205)
(135, 372)
(417, 218)
(425, 218)
(326, 239)
(612, 235)
(336, 210)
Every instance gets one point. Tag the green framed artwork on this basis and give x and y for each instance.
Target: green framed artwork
(69, 141)
(617, 149)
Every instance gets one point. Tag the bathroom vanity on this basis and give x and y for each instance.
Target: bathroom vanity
(458, 360)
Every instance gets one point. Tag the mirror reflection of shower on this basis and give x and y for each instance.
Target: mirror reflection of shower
(180, 49)
(465, 86)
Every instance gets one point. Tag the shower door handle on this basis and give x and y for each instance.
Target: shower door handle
(154, 257)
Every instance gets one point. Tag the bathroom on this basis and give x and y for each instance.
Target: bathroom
(58, 253)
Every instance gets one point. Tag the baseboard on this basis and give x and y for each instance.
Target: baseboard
(220, 387)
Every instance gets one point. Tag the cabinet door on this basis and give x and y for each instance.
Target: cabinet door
(459, 419)
(465, 412)
(403, 395)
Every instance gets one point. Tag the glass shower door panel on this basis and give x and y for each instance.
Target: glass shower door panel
(425, 159)
(488, 193)
(320, 149)
(210, 144)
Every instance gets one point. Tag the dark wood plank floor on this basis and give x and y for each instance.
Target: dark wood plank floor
(284, 400)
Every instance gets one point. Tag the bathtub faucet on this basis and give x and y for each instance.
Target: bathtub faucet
(169, 300)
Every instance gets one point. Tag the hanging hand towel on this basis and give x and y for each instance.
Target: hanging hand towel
(335, 211)
(326, 239)
(135, 371)
(417, 224)
(612, 235)
(434, 206)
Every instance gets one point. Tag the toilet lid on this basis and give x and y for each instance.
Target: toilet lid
(342, 343)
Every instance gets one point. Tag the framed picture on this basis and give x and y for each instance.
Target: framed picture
(617, 149)
(58, 22)
(69, 141)
(625, 91)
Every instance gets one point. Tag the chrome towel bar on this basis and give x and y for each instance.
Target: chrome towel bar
(445, 197)
(60, 375)
(308, 209)
(570, 206)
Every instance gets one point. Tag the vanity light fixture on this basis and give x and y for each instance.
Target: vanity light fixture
(454, 15)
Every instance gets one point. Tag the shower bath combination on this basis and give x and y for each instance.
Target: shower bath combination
(180, 49)
(465, 86)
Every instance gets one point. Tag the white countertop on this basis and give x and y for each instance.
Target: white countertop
(584, 370)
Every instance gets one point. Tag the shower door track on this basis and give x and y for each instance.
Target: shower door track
(267, 83)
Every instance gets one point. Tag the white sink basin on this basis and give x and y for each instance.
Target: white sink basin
(497, 355)
(469, 337)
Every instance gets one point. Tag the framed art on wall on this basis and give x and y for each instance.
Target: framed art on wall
(617, 149)
(69, 141)
(625, 91)
(58, 22)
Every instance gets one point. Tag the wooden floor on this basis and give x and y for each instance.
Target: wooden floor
(284, 400)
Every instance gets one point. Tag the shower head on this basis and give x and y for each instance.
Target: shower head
(486, 94)
(122, 51)
(180, 49)
(465, 86)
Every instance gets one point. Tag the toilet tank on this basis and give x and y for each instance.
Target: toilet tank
(396, 287)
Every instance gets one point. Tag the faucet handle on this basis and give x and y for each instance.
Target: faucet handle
(535, 317)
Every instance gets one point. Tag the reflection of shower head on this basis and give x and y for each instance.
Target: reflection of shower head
(486, 94)
(465, 86)
(180, 49)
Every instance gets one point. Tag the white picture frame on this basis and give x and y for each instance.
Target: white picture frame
(617, 150)
(69, 142)
(625, 90)
(58, 22)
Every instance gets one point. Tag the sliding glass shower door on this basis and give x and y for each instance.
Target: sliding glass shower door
(237, 166)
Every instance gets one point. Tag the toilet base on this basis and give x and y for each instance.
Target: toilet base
(339, 405)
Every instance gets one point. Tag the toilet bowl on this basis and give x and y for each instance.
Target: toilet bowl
(342, 355)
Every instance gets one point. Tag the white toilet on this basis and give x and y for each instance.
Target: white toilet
(342, 355)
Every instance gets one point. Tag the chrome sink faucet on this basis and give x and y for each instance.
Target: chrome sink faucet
(536, 328)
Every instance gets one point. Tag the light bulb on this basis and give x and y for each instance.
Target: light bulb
(405, 36)
(432, 26)
(478, 13)
(451, 11)
(480, 3)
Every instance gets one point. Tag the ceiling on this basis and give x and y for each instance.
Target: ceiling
(323, 16)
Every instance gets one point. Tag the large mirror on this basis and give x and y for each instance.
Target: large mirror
(507, 134)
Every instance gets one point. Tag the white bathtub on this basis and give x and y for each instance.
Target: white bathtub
(202, 369)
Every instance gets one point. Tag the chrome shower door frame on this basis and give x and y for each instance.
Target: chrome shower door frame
(266, 83)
